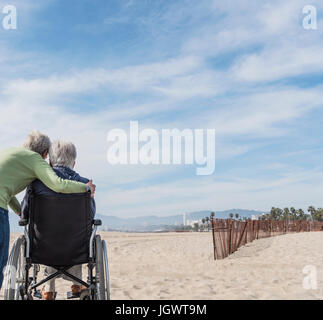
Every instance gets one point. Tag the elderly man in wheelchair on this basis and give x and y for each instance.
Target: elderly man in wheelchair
(60, 233)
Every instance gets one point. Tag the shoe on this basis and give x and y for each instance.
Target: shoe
(47, 295)
(76, 290)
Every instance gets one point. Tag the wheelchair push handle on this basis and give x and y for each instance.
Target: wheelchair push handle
(97, 222)
(23, 222)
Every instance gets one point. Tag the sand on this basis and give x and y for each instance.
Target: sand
(181, 266)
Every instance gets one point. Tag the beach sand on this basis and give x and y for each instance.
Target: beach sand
(181, 266)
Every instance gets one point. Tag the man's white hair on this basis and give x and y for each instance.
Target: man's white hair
(37, 142)
(62, 153)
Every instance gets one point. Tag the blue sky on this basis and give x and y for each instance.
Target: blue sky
(248, 69)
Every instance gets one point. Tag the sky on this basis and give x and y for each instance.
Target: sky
(248, 69)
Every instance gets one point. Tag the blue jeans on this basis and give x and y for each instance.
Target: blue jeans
(4, 241)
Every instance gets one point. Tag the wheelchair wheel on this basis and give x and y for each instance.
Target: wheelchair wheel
(101, 271)
(106, 269)
(15, 271)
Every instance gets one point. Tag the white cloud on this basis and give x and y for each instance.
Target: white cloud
(279, 63)
(261, 114)
(241, 25)
(134, 78)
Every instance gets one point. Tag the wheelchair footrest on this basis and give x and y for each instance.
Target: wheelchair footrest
(37, 294)
(70, 295)
(83, 295)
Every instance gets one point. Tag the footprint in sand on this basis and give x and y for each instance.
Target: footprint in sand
(136, 287)
(127, 294)
(165, 291)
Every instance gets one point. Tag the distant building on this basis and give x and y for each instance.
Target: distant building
(184, 220)
(193, 222)
(257, 216)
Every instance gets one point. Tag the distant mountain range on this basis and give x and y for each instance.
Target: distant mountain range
(151, 223)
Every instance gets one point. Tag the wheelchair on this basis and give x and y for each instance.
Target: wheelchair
(59, 232)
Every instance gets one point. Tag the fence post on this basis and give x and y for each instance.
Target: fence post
(271, 227)
(213, 234)
(230, 236)
(242, 234)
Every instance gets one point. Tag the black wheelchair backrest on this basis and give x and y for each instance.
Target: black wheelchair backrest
(60, 229)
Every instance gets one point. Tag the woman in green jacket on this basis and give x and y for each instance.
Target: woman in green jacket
(19, 167)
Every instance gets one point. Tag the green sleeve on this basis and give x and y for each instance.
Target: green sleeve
(47, 175)
(15, 205)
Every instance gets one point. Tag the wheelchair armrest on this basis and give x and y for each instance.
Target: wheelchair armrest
(97, 222)
(23, 222)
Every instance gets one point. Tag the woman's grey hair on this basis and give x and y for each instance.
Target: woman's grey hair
(37, 142)
(62, 153)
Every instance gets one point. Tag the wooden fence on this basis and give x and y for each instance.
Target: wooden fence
(229, 234)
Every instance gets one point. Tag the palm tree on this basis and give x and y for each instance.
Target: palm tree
(300, 214)
(203, 222)
(286, 214)
(319, 214)
(272, 212)
(212, 217)
(207, 222)
(293, 212)
(275, 213)
(312, 211)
